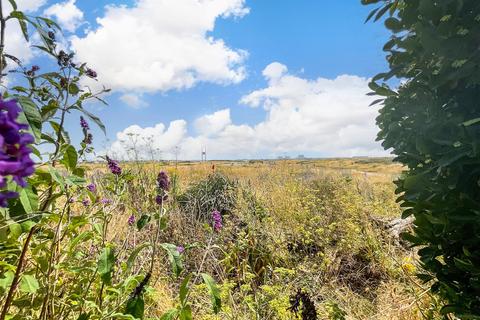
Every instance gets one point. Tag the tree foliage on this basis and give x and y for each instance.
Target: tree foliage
(431, 122)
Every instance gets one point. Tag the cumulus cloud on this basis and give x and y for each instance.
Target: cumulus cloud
(67, 14)
(133, 100)
(15, 43)
(160, 45)
(317, 117)
(213, 123)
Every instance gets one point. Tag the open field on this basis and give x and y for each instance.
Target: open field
(316, 225)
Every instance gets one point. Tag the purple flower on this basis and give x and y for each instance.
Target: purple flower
(131, 220)
(217, 220)
(92, 187)
(84, 123)
(71, 200)
(114, 167)
(159, 199)
(106, 201)
(14, 151)
(86, 202)
(163, 181)
(88, 138)
(91, 73)
(180, 249)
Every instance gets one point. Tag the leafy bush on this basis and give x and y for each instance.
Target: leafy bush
(216, 192)
(432, 124)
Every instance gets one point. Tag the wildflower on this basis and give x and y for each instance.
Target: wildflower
(92, 187)
(131, 220)
(84, 123)
(114, 167)
(217, 220)
(71, 200)
(159, 199)
(14, 152)
(88, 138)
(106, 201)
(51, 35)
(64, 59)
(86, 202)
(180, 249)
(163, 181)
(91, 73)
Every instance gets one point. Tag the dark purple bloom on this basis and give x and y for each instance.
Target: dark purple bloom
(180, 249)
(14, 151)
(163, 181)
(91, 73)
(159, 199)
(86, 202)
(5, 195)
(64, 59)
(88, 138)
(131, 220)
(106, 201)
(51, 35)
(217, 220)
(84, 123)
(114, 167)
(92, 187)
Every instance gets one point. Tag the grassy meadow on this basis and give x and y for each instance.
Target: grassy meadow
(320, 226)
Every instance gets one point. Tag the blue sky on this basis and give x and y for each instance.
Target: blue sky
(216, 94)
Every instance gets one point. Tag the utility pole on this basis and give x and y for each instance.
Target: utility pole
(204, 153)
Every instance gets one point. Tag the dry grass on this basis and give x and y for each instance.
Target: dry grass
(310, 224)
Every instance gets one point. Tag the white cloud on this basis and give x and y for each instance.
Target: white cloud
(15, 43)
(67, 14)
(149, 142)
(133, 100)
(213, 123)
(320, 117)
(30, 5)
(160, 45)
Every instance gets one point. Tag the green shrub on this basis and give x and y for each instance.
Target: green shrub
(432, 124)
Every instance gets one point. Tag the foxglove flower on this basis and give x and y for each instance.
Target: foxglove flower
(92, 187)
(217, 220)
(131, 220)
(114, 167)
(14, 151)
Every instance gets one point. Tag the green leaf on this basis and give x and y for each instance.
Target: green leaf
(32, 115)
(186, 313)
(29, 199)
(169, 315)
(105, 264)
(135, 306)
(70, 157)
(184, 289)
(6, 281)
(73, 89)
(214, 292)
(143, 221)
(28, 284)
(14, 4)
(174, 257)
(21, 20)
(134, 254)
(471, 122)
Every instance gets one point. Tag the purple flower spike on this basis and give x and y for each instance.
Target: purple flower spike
(163, 181)
(131, 220)
(159, 199)
(114, 167)
(92, 187)
(106, 201)
(14, 151)
(84, 123)
(217, 220)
